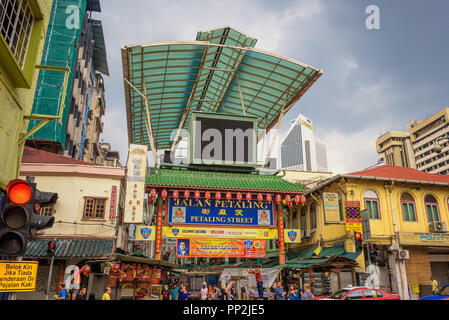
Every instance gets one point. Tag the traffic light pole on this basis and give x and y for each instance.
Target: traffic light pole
(49, 277)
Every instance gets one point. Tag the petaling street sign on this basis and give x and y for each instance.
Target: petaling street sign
(423, 239)
(220, 212)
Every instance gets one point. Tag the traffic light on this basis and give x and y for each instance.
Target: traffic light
(374, 253)
(51, 248)
(358, 241)
(18, 217)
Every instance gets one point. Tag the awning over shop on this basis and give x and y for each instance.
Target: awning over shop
(326, 262)
(71, 248)
(149, 261)
(169, 178)
(221, 72)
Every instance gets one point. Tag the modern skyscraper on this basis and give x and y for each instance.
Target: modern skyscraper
(414, 148)
(301, 150)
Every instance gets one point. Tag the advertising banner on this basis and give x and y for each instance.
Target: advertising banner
(292, 235)
(210, 233)
(220, 212)
(232, 248)
(423, 239)
(353, 216)
(145, 233)
(331, 207)
(18, 276)
(135, 184)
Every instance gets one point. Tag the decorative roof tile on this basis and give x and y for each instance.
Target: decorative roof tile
(31, 155)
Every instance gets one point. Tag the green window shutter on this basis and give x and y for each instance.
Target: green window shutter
(405, 211)
(435, 213)
(368, 207)
(412, 213)
(375, 206)
(429, 212)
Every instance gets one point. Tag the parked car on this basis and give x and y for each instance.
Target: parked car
(442, 294)
(361, 293)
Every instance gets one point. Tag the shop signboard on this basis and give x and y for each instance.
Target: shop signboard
(220, 212)
(113, 203)
(135, 184)
(353, 216)
(292, 235)
(331, 207)
(220, 139)
(18, 276)
(231, 248)
(226, 233)
(145, 233)
(423, 239)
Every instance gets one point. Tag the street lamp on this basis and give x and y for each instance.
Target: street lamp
(438, 147)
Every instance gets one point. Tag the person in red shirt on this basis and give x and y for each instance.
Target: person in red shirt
(259, 281)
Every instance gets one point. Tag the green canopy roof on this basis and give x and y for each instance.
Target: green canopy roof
(217, 73)
(220, 180)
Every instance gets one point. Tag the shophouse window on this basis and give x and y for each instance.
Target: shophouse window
(340, 208)
(16, 25)
(303, 218)
(47, 211)
(408, 207)
(94, 208)
(431, 208)
(295, 219)
(312, 216)
(372, 204)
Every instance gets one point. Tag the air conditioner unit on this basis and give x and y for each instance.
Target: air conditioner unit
(404, 254)
(308, 233)
(303, 234)
(438, 226)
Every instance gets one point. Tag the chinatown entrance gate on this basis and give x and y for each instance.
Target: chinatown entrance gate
(219, 215)
(224, 96)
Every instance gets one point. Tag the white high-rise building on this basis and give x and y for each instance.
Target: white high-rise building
(301, 150)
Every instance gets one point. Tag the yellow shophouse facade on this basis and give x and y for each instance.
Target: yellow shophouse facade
(408, 216)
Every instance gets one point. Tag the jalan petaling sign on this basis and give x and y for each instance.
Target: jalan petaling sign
(418, 238)
(220, 212)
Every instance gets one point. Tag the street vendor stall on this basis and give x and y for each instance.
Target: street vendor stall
(133, 277)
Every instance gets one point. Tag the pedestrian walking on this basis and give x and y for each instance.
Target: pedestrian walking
(165, 293)
(434, 283)
(184, 293)
(280, 292)
(62, 292)
(218, 293)
(259, 281)
(230, 291)
(106, 294)
(307, 295)
(243, 295)
(293, 294)
(92, 296)
(174, 292)
(82, 294)
(204, 291)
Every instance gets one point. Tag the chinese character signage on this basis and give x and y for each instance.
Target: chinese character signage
(113, 200)
(232, 248)
(135, 183)
(353, 216)
(220, 212)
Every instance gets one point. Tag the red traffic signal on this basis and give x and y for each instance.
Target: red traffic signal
(358, 235)
(19, 191)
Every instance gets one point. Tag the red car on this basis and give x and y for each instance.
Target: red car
(361, 293)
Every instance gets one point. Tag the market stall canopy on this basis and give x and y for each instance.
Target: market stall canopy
(149, 261)
(221, 72)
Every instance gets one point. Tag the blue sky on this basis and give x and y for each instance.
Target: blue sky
(374, 81)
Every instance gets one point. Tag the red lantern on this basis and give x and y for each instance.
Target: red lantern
(248, 196)
(150, 201)
(290, 205)
(207, 195)
(175, 194)
(228, 196)
(115, 267)
(297, 199)
(303, 199)
(197, 195)
(153, 193)
(288, 198)
(278, 198)
(259, 197)
(186, 194)
(218, 196)
(239, 196)
(269, 199)
(164, 194)
(86, 269)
